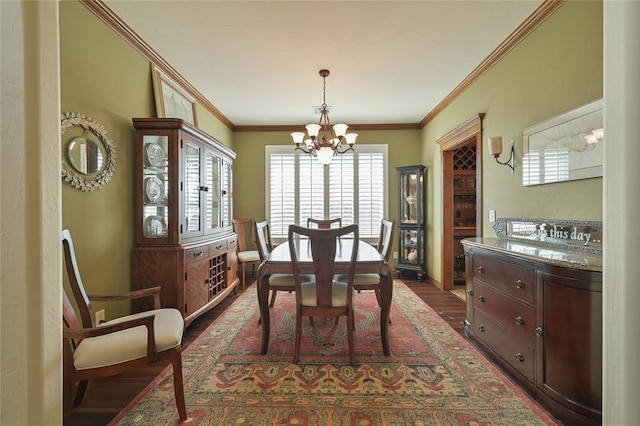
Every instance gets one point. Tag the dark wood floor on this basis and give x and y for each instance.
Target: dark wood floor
(107, 397)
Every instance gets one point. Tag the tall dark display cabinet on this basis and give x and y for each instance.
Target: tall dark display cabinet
(412, 220)
(184, 233)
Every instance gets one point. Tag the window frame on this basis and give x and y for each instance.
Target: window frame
(359, 149)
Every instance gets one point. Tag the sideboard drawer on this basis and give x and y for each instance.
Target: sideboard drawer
(513, 350)
(511, 278)
(518, 317)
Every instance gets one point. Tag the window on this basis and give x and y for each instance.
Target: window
(353, 186)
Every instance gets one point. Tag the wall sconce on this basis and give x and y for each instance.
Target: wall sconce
(495, 149)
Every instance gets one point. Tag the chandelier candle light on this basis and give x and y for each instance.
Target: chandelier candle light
(324, 146)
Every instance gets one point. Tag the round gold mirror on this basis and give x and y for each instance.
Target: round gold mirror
(89, 157)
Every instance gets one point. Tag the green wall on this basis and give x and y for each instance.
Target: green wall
(103, 77)
(249, 169)
(555, 69)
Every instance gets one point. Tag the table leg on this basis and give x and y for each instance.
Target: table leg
(263, 303)
(386, 294)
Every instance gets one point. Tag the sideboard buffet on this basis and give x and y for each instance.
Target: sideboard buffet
(536, 311)
(184, 233)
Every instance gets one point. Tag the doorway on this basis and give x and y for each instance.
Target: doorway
(461, 151)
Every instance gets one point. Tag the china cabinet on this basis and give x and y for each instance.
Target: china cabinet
(411, 221)
(184, 233)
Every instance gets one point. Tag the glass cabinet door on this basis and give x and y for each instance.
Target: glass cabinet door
(410, 246)
(192, 199)
(410, 197)
(226, 212)
(411, 220)
(155, 170)
(211, 192)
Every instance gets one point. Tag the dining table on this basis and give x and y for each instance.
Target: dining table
(369, 260)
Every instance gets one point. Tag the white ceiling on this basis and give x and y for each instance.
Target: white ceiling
(258, 61)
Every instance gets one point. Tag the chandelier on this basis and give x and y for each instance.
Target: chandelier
(325, 140)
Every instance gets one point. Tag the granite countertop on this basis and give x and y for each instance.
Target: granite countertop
(564, 257)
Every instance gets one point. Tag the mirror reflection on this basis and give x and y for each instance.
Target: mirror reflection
(85, 155)
(566, 147)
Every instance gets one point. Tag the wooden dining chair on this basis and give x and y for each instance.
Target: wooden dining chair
(324, 223)
(92, 351)
(277, 282)
(385, 243)
(323, 297)
(247, 252)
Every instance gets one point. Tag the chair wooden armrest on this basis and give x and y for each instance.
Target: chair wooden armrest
(147, 321)
(91, 352)
(129, 295)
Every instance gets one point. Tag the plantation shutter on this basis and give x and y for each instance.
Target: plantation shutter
(353, 186)
(342, 188)
(556, 164)
(531, 167)
(311, 189)
(371, 192)
(282, 190)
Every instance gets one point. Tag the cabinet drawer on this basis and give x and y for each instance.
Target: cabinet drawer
(232, 243)
(516, 316)
(513, 350)
(511, 278)
(196, 254)
(218, 248)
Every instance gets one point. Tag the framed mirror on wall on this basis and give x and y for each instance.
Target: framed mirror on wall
(88, 154)
(563, 148)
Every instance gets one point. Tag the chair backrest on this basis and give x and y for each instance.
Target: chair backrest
(324, 223)
(245, 229)
(385, 242)
(75, 281)
(323, 246)
(263, 239)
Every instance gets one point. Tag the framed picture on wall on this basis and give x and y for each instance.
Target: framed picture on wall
(172, 101)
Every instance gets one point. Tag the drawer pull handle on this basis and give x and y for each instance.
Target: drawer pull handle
(539, 332)
(481, 299)
(481, 328)
(519, 284)
(481, 269)
(470, 292)
(520, 357)
(520, 321)
(218, 247)
(198, 253)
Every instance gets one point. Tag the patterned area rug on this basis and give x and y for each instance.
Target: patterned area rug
(433, 376)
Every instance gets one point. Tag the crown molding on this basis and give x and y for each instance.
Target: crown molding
(545, 10)
(113, 21)
(106, 15)
(352, 127)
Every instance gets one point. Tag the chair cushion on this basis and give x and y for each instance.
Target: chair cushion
(339, 294)
(249, 256)
(130, 344)
(360, 279)
(286, 281)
